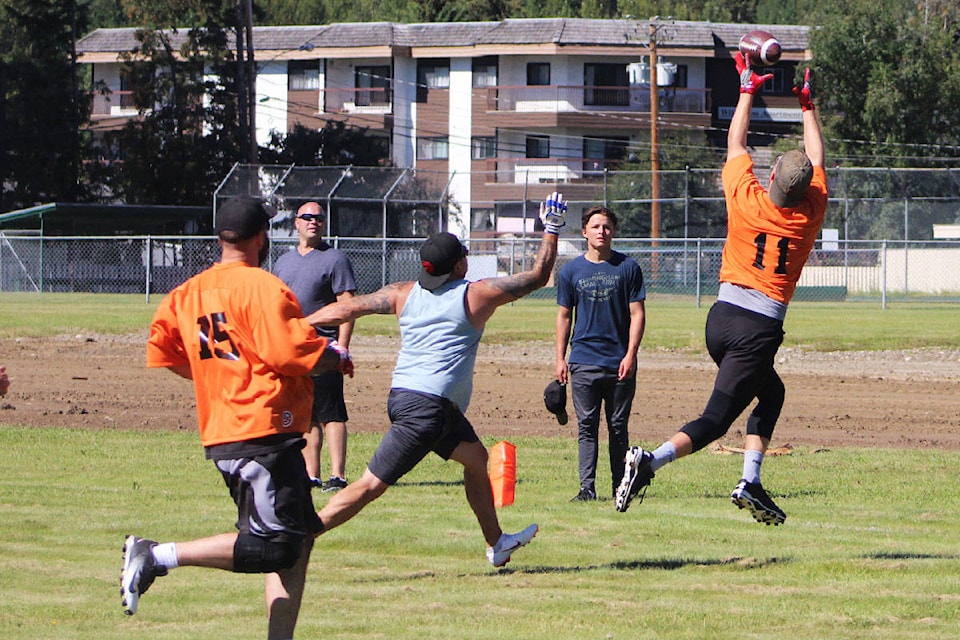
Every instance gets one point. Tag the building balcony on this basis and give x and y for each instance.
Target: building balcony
(546, 170)
(553, 106)
(374, 100)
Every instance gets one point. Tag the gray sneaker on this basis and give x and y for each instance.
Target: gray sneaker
(751, 496)
(333, 484)
(636, 476)
(138, 572)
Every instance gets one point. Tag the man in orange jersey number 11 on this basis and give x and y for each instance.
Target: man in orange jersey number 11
(238, 333)
(770, 232)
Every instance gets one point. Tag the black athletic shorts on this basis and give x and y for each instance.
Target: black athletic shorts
(744, 345)
(421, 423)
(328, 402)
(272, 493)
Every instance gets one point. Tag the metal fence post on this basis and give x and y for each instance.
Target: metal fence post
(883, 276)
(699, 260)
(149, 274)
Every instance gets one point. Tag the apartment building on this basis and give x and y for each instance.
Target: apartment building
(508, 111)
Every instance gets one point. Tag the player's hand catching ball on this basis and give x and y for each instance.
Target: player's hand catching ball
(804, 93)
(552, 212)
(750, 82)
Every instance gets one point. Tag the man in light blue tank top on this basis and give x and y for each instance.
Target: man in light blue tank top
(442, 317)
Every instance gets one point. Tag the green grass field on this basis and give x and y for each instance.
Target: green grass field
(869, 550)
(672, 322)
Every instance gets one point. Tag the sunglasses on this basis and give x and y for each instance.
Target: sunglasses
(310, 216)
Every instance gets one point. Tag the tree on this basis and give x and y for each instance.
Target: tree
(889, 84)
(334, 145)
(188, 136)
(40, 106)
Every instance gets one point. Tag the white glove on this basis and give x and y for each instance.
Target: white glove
(552, 211)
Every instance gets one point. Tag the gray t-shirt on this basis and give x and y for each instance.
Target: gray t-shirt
(316, 278)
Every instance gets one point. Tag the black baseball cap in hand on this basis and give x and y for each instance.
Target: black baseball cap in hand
(555, 399)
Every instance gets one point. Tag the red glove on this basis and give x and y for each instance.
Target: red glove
(805, 93)
(749, 81)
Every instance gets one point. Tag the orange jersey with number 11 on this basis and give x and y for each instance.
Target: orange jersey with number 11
(766, 247)
(241, 331)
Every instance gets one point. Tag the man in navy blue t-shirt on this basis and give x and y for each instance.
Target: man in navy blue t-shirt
(601, 297)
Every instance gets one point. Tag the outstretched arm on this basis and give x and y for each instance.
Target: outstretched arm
(484, 296)
(387, 300)
(812, 131)
(739, 125)
(750, 83)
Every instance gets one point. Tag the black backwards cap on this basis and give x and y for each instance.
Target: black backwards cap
(438, 255)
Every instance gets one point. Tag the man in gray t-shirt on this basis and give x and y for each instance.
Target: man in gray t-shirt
(318, 275)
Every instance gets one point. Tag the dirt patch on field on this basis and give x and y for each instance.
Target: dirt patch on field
(869, 399)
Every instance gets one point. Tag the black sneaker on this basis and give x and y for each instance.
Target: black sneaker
(138, 572)
(333, 484)
(586, 495)
(750, 495)
(636, 476)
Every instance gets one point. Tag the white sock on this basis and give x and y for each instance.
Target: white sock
(165, 555)
(751, 465)
(663, 455)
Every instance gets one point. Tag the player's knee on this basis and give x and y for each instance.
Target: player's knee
(713, 423)
(253, 554)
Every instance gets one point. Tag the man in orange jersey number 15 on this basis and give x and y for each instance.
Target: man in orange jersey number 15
(238, 333)
(770, 232)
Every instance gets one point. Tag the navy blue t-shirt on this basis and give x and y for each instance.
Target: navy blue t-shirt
(600, 295)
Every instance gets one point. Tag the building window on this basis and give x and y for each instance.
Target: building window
(680, 76)
(538, 74)
(538, 146)
(777, 84)
(373, 85)
(432, 74)
(303, 75)
(485, 72)
(433, 149)
(484, 147)
(601, 153)
(605, 85)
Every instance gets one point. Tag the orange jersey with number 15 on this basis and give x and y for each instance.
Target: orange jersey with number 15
(241, 331)
(766, 247)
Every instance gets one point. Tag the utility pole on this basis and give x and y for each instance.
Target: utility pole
(251, 83)
(654, 138)
(243, 100)
(246, 82)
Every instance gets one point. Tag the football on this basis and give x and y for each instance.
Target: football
(760, 48)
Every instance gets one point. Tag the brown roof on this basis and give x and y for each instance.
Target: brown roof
(559, 31)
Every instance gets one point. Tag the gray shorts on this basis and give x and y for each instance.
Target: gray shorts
(420, 423)
(272, 494)
(328, 403)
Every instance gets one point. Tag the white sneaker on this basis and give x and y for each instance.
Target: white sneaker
(138, 572)
(499, 554)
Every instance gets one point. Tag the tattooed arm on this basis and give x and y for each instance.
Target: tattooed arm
(484, 296)
(389, 299)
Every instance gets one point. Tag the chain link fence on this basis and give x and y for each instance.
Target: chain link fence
(888, 233)
(836, 270)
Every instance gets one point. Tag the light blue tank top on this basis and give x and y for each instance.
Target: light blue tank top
(438, 344)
